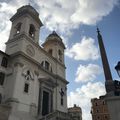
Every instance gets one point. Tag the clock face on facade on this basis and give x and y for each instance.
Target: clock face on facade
(30, 50)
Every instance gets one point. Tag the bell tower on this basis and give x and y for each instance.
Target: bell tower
(55, 47)
(25, 26)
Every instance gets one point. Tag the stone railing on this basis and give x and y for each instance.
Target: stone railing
(57, 115)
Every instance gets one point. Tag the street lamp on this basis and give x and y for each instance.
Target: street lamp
(117, 67)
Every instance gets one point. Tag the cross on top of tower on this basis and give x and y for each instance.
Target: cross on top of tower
(98, 31)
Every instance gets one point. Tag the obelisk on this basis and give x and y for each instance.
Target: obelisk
(107, 73)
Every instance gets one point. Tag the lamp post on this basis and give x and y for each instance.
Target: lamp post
(117, 67)
(116, 82)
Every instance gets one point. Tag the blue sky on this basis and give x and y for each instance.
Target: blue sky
(109, 27)
(75, 21)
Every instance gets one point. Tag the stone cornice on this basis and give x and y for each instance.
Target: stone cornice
(19, 64)
(12, 100)
(1, 52)
(53, 41)
(48, 81)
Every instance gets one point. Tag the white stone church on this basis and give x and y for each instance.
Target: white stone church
(32, 78)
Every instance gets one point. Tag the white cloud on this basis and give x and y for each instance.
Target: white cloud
(56, 14)
(59, 15)
(6, 11)
(65, 15)
(91, 11)
(84, 50)
(82, 97)
(87, 73)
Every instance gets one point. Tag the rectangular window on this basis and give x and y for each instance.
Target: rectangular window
(47, 65)
(4, 62)
(62, 101)
(26, 88)
(2, 77)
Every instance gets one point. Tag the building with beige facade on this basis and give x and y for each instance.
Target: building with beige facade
(99, 109)
(75, 112)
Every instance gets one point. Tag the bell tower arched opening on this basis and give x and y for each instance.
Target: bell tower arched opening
(32, 31)
(60, 55)
(18, 28)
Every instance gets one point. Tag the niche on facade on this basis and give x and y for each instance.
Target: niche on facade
(28, 74)
(50, 51)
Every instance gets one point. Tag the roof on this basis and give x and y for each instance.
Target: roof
(75, 109)
(1, 52)
(53, 37)
(54, 34)
(27, 9)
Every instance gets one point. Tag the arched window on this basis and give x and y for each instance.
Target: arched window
(60, 55)
(42, 63)
(50, 51)
(2, 78)
(46, 65)
(4, 62)
(18, 27)
(32, 31)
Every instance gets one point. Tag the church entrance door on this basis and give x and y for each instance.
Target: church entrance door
(45, 103)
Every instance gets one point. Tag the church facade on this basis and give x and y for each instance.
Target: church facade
(33, 85)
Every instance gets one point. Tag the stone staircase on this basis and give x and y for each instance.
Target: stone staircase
(4, 111)
(57, 115)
